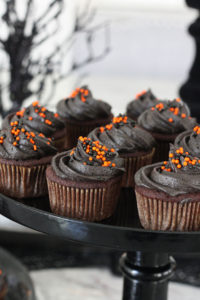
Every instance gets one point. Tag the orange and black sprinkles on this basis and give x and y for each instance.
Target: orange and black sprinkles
(118, 121)
(196, 130)
(83, 92)
(18, 132)
(40, 110)
(97, 153)
(140, 94)
(179, 159)
(170, 106)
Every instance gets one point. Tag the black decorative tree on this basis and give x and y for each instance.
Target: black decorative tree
(18, 47)
(190, 91)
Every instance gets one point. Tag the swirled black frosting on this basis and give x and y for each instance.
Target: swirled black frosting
(89, 161)
(190, 141)
(16, 143)
(142, 101)
(82, 106)
(179, 175)
(37, 118)
(123, 135)
(167, 117)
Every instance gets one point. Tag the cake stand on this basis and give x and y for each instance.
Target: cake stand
(146, 263)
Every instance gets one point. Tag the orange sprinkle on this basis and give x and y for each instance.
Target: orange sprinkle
(171, 155)
(35, 103)
(14, 143)
(113, 165)
(179, 166)
(185, 164)
(165, 162)
(30, 118)
(140, 94)
(183, 116)
(34, 147)
(56, 115)
(170, 120)
(112, 150)
(90, 158)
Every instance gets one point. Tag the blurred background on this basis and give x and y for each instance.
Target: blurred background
(117, 48)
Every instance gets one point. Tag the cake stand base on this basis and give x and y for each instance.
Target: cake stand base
(146, 275)
(19, 284)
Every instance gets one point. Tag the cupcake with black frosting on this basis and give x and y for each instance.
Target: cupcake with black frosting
(133, 144)
(190, 141)
(40, 120)
(24, 156)
(81, 113)
(84, 183)
(168, 193)
(165, 121)
(142, 101)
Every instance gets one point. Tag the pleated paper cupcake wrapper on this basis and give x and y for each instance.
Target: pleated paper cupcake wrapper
(73, 131)
(89, 204)
(132, 165)
(22, 181)
(161, 151)
(158, 214)
(59, 144)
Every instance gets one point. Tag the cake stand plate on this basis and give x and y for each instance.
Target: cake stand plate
(146, 266)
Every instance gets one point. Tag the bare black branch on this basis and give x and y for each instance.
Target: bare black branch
(19, 46)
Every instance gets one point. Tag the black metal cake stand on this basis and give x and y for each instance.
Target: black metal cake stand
(146, 264)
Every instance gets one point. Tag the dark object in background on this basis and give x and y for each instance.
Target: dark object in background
(190, 90)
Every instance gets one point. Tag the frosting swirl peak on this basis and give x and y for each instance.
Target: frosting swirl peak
(167, 117)
(123, 135)
(179, 175)
(17, 143)
(82, 106)
(190, 141)
(89, 161)
(37, 118)
(142, 101)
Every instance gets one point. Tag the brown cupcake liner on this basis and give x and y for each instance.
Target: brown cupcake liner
(85, 203)
(59, 144)
(133, 164)
(163, 146)
(74, 130)
(20, 181)
(157, 214)
(161, 151)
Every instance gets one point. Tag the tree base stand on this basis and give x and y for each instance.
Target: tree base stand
(146, 275)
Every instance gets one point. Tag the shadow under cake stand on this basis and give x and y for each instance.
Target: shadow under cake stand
(146, 264)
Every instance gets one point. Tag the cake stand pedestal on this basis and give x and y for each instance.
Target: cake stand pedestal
(146, 264)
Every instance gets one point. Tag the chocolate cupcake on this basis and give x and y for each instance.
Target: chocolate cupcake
(165, 121)
(24, 156)
(84, 183)
(190, 141)
(142, 101)
(133, 144)
(168, 193)
(82, 113)
(38, 119)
